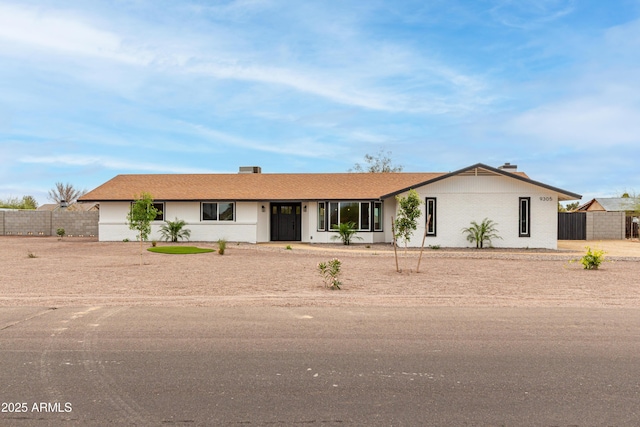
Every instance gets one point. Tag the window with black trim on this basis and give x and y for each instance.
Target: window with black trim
(218, 211)
(430, 217)
(525, 217)
(322, 212)
(356, 212)
(377, 216)
(160, 207)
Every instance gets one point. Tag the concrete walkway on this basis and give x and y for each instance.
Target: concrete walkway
(614, 248)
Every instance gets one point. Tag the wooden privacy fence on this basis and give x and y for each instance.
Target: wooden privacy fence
(572, 225)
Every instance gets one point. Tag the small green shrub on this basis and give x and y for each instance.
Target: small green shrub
(174, 230)
(346, 232)
(154, 243)
(60, 232)
(480, 233)
(592, 259)
(330, 271)
(289, 248)
(31, 254)
(125, 240)
(434, 247)
(222, 245)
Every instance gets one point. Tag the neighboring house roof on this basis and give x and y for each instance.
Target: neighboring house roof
(259, 186)
(611, 204)
(48, 207)
(86, 207)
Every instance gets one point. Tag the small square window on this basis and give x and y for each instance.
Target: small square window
(225, 211)
(214, 211)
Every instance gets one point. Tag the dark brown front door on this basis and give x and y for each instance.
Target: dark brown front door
(286, 221)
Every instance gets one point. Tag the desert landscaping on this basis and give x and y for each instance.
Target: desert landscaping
(52, 272)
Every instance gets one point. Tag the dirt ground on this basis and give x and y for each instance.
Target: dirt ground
(45, 271)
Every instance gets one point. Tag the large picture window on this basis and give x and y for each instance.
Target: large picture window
(430, 203)
(344, 212)
(525, 217)
(218, 211)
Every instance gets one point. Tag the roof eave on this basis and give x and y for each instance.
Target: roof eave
(567, 194)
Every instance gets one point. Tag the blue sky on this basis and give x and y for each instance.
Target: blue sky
(92, 89)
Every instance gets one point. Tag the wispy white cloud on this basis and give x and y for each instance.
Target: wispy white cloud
(363, 81)
(594, 103)
(527, 14)
(303, 147)
(580, 123)
(65, 33)
(108, 163)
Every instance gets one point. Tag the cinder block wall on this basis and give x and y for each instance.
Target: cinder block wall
(605, 225)
(75, 223)
(45, 223)
(27, 223)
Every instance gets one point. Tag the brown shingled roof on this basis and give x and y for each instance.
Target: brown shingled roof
(333, 186)
(305, 186)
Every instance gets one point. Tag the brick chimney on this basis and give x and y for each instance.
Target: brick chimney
(508, 167)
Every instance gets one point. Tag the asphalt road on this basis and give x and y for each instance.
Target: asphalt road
(319, 366)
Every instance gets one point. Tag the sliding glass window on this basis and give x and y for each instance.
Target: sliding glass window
(218, 211)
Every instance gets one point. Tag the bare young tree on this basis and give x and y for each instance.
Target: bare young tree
(379, 163)
(65, 192)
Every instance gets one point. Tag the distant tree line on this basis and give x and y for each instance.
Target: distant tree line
(26, 202)
(61, 192)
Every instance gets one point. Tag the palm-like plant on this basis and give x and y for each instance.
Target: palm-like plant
(174, 230)
(346, 232)
(482, 232)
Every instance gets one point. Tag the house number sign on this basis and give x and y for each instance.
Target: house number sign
(546, 198)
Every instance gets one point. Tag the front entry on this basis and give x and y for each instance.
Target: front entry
(286, 221)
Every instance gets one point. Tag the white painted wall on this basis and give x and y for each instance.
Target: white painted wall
(263, 221)
(462, 199)
(113, 222)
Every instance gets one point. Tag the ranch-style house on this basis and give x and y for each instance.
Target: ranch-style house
(251, 206)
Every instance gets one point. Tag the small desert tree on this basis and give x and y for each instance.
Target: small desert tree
(140, 216)
(408, 213)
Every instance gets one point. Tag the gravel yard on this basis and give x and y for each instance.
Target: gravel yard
(45, 271)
